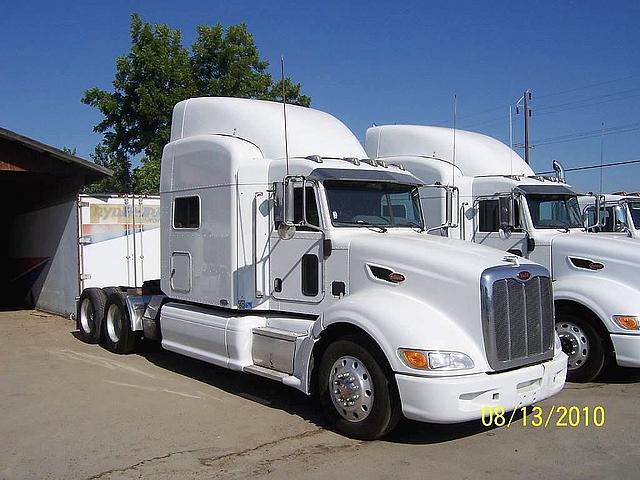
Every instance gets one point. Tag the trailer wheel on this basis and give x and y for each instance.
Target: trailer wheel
(91, 308)
(117, 333)
(357, 396)
(584, 346)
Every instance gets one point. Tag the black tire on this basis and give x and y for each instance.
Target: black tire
(588, 353)
(384, 411)
(90, 314)
(117, 334)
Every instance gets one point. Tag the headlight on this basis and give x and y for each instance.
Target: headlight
(558, 343)
(628, 322)
(435, 359)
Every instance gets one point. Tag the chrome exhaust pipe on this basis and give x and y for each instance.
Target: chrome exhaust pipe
(557, 167)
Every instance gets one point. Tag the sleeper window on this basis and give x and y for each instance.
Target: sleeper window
(186, 212)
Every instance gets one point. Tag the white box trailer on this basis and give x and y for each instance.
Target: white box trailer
(119, 240)
(308, 263)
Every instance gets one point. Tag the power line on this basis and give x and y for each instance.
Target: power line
(575, 136)
(586, 87)
(590, 167)
(589, 101)
(549, 107)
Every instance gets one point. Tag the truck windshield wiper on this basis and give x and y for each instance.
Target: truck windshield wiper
(379, 228)
(564, 225)
(410, 224)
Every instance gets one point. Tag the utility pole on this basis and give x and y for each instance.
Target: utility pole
(526, 97)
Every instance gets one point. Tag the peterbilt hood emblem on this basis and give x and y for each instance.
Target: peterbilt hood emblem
(524, 275)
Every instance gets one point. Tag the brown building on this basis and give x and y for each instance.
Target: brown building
(39, 187)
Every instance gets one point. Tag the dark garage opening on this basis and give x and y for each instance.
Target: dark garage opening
(39, 185)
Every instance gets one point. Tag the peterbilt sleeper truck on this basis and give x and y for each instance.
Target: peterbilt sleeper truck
(482, 191)
(617, 215)
(295, 257)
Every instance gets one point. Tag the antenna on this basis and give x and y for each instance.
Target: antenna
(455, 117)
(284, 113)
(601, 154)
(453, 166)
(510, 141)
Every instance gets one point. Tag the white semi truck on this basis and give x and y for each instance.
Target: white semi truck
(618, 214)
(484, 192)
(306, 262)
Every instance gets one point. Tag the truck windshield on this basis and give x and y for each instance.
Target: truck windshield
(554, 210)
(384, 204)
(634, 210)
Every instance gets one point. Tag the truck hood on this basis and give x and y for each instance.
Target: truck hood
(441, 273)
(438, 257)
(620, 255)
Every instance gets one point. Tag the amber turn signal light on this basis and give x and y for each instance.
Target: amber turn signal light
(415, 359)
(628, 322)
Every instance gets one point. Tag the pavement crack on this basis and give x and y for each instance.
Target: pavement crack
(205, 461)
(142, 463)
(213, 460)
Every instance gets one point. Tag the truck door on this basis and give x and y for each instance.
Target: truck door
(297, 267)
(487, 229)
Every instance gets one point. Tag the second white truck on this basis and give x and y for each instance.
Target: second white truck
(481, 191)
(300, 259)
(618, 214)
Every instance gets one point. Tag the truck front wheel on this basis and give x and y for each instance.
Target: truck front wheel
(90, 314)
(356, 394)
(584, 346)
(117, 332)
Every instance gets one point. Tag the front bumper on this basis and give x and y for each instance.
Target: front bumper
(462, 398)
(627, 348)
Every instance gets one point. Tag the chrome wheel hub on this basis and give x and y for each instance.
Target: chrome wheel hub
(351, 389)
(575, 343)
(114, 323)
(86, 316)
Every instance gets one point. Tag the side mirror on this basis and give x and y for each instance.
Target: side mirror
(448, 206)
(597, 214)
(621, 226)
(452, 200)
(506, 214)
(289, 202)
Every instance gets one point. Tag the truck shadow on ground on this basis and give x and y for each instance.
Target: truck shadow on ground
(614, 374)
(275, 395)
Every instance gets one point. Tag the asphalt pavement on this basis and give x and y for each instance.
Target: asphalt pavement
(73, 410)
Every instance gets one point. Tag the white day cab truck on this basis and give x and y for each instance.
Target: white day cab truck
(482, 191)
(618, 214)
(307, 263)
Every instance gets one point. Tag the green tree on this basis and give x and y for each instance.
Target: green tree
(157, 73)
(117, 161)
(70, 151)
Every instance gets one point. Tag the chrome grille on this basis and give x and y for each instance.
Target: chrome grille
(518, 323)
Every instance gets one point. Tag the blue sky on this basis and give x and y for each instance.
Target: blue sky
(382, 62)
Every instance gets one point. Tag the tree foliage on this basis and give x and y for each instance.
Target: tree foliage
(157, 73)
